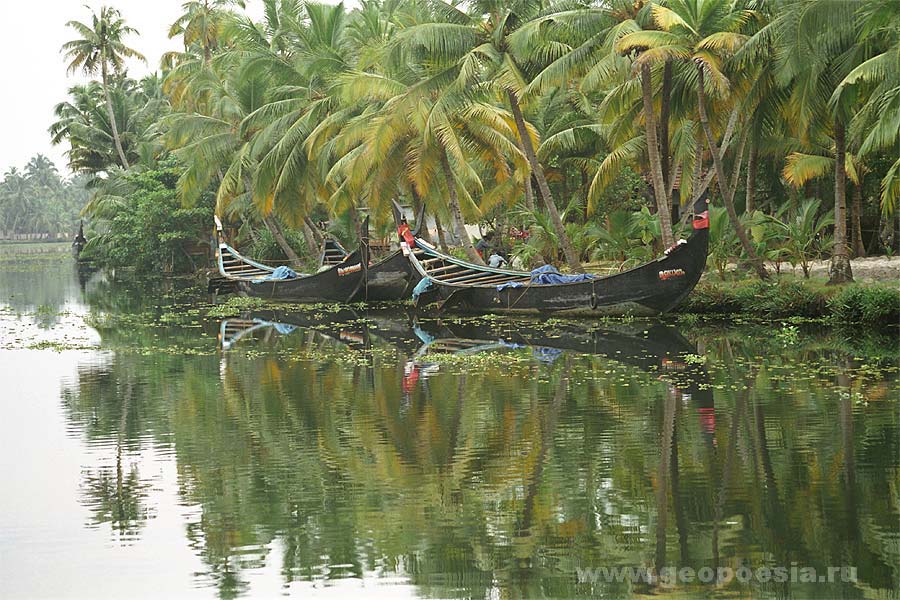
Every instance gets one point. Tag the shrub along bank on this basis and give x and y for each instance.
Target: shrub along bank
(872, 304)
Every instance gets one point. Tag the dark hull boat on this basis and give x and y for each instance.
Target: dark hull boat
(649, 289)
(338, 283)
(390, 279)
(79, 242)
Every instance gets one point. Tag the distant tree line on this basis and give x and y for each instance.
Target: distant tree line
(37, 203)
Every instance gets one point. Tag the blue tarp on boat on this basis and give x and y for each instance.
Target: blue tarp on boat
(423, 286)
(280, 273)
(547, 275)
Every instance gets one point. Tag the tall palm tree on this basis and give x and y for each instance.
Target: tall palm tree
(705, 33)
(475, 46)
(591, 34)
(99, 49)
(201, 24)
(816, 49)
(878, 78)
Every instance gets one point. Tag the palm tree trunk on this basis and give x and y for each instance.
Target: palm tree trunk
(529, 188)
(314, 229)
(839, 271)
(859, 250)
(656, 172)
(112, 117)
(442, 240)
(417, 210)
(543, 188)
(724, 191)
(664, 110)
(529, 194)
(272, 225)
(312, 244)
(751, 177)
(459, 224)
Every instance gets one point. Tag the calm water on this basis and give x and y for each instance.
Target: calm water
(147, 450)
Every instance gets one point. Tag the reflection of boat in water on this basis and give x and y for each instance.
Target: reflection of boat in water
(655, 348)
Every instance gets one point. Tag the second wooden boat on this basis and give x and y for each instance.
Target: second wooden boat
(338, 283)
(652, 288)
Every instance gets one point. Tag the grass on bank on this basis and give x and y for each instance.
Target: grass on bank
(863, 303)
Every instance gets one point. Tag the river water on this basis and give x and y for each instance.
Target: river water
(148, 449)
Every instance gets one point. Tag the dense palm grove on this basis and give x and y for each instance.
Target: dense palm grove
(37, 203)
(586, 126)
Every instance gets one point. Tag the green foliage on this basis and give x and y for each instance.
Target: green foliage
(802, 233)
(778, 299)
(626, 237)
(265, 248)
(39, 201)
(723, 240)
(873, 304)
(151, 232)
(785, 298)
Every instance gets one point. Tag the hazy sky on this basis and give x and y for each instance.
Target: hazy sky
(34, 72)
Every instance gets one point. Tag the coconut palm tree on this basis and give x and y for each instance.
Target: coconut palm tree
(201, 24)
(875, 125)
(591, 34)
(816, 51)
(420, 130)
(704, 33)
(474, 46)
(99, 49)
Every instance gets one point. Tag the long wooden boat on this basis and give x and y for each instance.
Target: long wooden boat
(390, 279)
(649, 289)
(338, 283)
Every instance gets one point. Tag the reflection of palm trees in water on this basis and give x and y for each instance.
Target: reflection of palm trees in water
(470, 481)
(451, 459)
(119, 498)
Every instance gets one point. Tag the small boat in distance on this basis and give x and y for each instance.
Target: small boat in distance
(79, 242)
(650, 289)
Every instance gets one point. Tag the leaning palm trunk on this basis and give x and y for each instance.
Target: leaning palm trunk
(312, 243)
(543, 187)
(459, 225)
(752, 166)
(112, 118)
(726, 191)
(275, 229)
(656, 171)
(529, 189)
(314, 229)
(839, 271)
